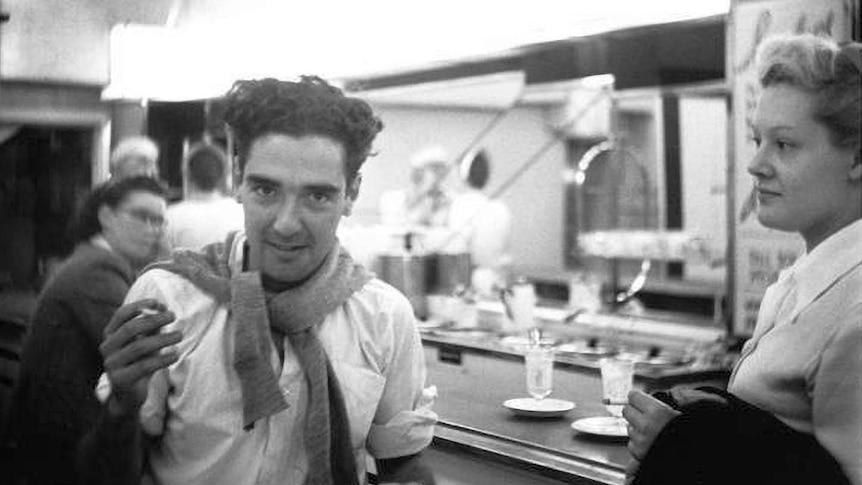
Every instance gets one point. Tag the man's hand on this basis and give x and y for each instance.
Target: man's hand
(134, 349)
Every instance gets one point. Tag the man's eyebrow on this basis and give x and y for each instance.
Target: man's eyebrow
(780, 128)
(259, 179)
(327, 188)
(769, 129)
(311, 187)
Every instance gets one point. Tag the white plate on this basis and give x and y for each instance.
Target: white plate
(602, 426)
(539, 408)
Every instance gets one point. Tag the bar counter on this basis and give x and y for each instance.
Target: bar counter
(475, 377)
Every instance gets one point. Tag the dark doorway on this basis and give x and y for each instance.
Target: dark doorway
(45, 172)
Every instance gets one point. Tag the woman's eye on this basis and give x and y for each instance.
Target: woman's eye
(756, 140)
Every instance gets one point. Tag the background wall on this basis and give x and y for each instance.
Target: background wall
(703, 154)
(67, 40)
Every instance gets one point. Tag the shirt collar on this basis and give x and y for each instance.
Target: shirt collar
(817, 270)
(237, 253)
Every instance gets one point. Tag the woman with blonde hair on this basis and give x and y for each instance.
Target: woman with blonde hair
(793, 410)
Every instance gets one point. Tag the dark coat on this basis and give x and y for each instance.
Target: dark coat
(60, 365)
(736, 443)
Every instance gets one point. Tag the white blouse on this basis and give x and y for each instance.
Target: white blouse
(804, 361)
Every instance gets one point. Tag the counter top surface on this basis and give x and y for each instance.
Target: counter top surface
(475, 377)
(472, 415)
(458, 408)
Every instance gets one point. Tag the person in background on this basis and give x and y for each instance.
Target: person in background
(134, 156)
(119, 223)
(206, 215)
(481, 225)
(426, 201)
(274, 357)
(793, 413)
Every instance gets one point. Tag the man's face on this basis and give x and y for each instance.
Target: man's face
(430, 177)
(294, 192)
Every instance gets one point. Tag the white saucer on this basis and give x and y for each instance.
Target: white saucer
(539, 408)
(608, 426)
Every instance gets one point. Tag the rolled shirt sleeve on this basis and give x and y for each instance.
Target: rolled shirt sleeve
(404, 421)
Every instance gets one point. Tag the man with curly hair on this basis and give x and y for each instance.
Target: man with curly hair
(271, 357)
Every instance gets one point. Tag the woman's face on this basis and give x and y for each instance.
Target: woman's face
(134, 227)
(803, 182)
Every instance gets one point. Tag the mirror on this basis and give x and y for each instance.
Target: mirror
(654, 188)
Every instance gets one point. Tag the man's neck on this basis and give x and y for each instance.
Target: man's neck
(273, 286)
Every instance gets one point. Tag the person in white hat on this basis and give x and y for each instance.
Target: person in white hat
(425, 202)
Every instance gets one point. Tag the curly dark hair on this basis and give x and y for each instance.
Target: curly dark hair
(111, 194)
(310, 106)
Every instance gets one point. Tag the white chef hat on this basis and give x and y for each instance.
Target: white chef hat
(430, 156)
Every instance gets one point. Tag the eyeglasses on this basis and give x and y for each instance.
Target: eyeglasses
(145, 217)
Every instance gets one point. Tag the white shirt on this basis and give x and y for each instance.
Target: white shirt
(804, 362)
(483, 227)
(398, 208)
(195, 406)
(196, 222)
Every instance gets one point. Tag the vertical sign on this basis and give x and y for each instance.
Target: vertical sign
(760, 253)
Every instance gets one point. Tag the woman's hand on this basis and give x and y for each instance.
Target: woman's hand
(685, 396)
(646, 416)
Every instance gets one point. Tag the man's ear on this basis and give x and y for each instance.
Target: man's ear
(105, 216)
(352, 194)
(237, 183)
(855, 173)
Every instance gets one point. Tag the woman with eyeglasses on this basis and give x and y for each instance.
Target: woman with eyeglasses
(793, 413)
(117, 232)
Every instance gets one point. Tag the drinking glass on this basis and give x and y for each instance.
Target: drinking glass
(540, 371)
(617, 377)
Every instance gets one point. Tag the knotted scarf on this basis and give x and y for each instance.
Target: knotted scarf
(295, 312)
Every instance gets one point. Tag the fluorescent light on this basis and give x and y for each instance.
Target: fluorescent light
(201, 54)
